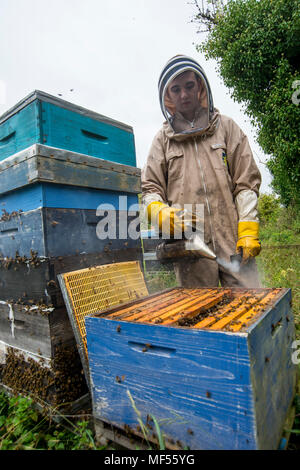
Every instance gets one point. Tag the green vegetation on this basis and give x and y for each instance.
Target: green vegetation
(280, 267)
(147, 428)
(278, 225)
(22, 427)
(278, 262)
(256, 46)
(160, 280)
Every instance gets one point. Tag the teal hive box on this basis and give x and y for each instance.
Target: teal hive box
(41, 118)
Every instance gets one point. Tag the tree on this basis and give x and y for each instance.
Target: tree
(268, 208)
(256, 45)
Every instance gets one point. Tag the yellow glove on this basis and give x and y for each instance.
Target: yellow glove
(168, 219)
(248, 239)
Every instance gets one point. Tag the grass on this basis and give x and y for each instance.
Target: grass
(22, 427)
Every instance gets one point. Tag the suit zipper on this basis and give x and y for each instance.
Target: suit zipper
(206, 197)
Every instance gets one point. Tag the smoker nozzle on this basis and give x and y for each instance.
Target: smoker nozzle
(194, 247)
(196, 244)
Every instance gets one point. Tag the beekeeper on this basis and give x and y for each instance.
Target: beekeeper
(201, 158)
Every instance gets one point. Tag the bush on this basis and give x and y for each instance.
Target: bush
(279, 225)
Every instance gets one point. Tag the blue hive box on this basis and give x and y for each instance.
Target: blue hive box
(45, 119)
(43, 176)
(207, 389)
(51, 202)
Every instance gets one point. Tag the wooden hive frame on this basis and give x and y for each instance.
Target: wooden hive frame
(215, 309)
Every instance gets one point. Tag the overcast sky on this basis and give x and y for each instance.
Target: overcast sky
(111, 53)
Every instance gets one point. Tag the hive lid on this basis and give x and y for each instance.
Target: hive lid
(42, 96)
(91, 290)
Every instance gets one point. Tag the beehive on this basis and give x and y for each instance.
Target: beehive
(49, 196)
(46, 225)
(213, 366)
(58, 164)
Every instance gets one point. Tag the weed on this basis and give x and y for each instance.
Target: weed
(22, 427)
(145, 430)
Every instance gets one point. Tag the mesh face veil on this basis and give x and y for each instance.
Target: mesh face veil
(185, 95)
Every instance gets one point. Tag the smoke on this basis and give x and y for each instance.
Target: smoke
(233, 266)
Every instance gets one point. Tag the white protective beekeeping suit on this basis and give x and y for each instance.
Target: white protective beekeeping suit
(200, 157)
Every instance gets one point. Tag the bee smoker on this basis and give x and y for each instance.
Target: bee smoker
(193, 247)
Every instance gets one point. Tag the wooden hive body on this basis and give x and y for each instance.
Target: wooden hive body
(44, 164)
(41, 118)
(53, 232)
(208, 388)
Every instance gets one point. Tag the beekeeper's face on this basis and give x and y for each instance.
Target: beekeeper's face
(184, 93)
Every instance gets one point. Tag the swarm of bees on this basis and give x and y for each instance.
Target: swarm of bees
(33, 260)
(7, 216)
(60, 383)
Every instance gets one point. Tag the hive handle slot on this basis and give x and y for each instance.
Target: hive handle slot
(93, 135)
(9, 231)
(4, 140)
(147, 348)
